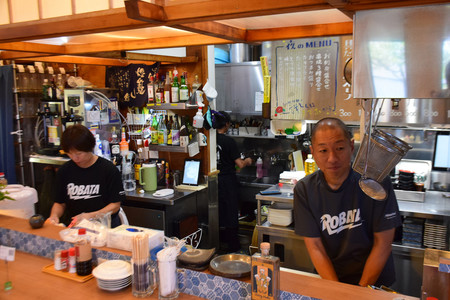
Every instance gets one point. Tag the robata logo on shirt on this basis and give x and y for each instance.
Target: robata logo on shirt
(79, 192)
(344, 220)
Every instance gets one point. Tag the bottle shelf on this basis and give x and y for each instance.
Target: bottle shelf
(178, 105)
(163, 148)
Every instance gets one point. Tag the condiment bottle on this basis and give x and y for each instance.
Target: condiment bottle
(265, 274)
(198, 119)
(57, 260)
(64, 260)
(72, 260)
(83, 251)
(259, 168)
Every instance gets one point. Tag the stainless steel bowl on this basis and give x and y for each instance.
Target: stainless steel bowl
(231, 265)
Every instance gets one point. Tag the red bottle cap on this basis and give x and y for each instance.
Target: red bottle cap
(72, 251)
(64, 253)
(81, 231)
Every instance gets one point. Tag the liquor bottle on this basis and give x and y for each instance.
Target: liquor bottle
(176, 132)
(46, 90)
(162, 132)
(169, 131)
(184, 91)
(184, 133)
(159, 95)
(59, 87)
(167, 89)
(175, 90)
(115, 151)
(151, 90)
(124, 147)
(196, 84)
(154, 131)
(310, 165)
(265, 274)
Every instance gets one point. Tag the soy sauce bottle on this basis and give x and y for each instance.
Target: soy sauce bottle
(83, 251)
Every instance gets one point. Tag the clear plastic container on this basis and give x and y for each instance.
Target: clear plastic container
(310, 165)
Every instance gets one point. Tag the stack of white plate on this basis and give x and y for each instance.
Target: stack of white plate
(435, 235)
(280, 214)
(113, 275)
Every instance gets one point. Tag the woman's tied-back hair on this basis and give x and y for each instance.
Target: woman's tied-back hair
(331, 122)
(77, 137)
(220, 119)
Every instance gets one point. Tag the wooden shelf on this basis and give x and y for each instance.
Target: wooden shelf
(179, 105)
(178, 149)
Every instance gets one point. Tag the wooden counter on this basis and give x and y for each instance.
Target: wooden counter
(29, 282)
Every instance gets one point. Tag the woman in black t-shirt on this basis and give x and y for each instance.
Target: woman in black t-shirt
(228, 158)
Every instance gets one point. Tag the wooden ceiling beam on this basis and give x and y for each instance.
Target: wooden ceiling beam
(216, 29)
(156, 43)
(86, 23)
(260, 35)
(33, 47)
(12, 55)
(341, 6)
(212, 10)
(82, 60)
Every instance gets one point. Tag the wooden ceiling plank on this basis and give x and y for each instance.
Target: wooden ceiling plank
(169, 59)
(87, 60)
(86, 23)
(216, 29)
(260, 35)
(157, 43)
(33, 47)
(221, 10)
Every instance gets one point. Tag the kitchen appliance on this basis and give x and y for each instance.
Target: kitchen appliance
(148, 177)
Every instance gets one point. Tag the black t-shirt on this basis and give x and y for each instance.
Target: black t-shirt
(345, 220)
(227, 153)
(89, 189)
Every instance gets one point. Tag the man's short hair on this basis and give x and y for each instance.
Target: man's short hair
(77, 137)
(331, 122)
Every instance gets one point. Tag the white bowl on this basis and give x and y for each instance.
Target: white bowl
(112, 270)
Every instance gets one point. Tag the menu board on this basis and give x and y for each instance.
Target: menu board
(308, 79)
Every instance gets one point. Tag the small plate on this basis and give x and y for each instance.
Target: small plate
(231, 265)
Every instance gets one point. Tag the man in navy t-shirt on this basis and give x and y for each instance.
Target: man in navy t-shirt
(348, 234)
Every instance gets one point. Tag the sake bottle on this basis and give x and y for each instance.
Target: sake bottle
(265, 274)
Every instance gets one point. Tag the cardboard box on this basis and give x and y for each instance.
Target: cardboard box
(121, 237)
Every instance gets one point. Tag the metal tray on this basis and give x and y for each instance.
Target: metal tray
(231, 265)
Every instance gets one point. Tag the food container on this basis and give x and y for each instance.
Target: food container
(280, 214)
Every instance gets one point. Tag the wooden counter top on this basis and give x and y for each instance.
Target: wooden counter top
(29, 282)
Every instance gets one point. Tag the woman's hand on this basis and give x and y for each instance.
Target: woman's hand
(52, 220)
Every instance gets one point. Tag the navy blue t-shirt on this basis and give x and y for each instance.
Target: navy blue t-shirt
(345, 220)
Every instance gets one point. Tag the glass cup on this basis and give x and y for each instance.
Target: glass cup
(168, 280)
(144, 272)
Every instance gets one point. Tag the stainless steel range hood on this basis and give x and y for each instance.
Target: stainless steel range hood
(402, 53)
